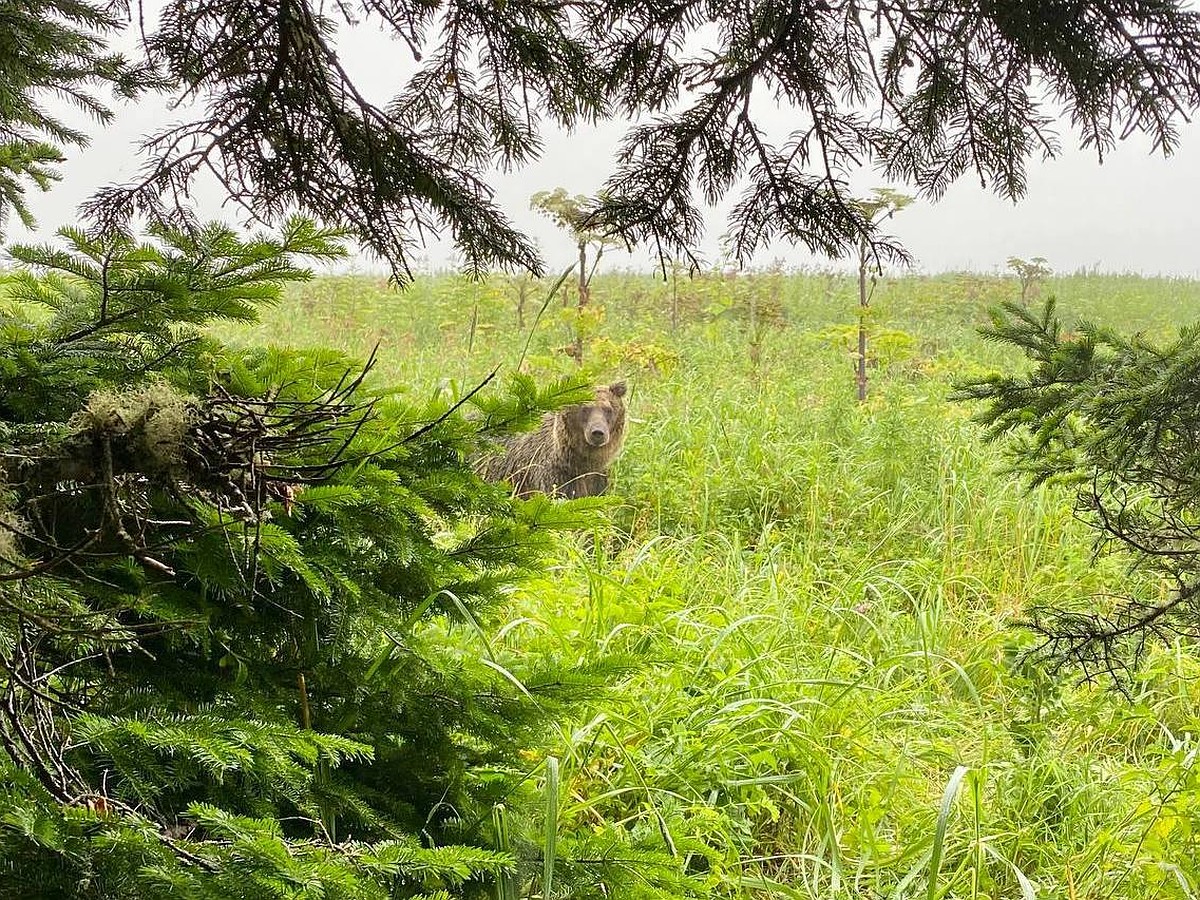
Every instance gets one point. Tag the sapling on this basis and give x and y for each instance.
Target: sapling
(573, 214)
(1030, 273)
(886, 203)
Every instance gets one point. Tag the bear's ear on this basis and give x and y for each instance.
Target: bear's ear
(618, 389)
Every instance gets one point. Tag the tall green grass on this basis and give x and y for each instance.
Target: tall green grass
(833, 703)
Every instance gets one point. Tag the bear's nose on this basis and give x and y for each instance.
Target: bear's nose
(597, 437)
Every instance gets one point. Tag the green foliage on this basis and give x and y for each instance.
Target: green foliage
(825, 595)
(885, 203)
(574, 215)
(247, 598)
(109, 311)
(571, 213)
(33, 161)
(53, 48)
(1110, 416)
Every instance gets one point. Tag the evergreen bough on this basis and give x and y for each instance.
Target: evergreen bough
(245, 598)
(922, 92)
(1116, 420)
(55, 48)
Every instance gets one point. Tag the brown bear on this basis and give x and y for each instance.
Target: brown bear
(569, 455)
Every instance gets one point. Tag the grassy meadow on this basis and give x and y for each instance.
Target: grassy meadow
(823, 591)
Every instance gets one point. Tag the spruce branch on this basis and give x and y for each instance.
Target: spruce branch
(1107, 418)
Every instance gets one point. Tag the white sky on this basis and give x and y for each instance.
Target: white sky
(1135, 213)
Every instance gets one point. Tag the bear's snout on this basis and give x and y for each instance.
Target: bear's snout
(597, 436)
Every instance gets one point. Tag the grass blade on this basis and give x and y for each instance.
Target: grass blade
(506, 888)
(1028, 888)
(550, 842)
(939, 833)
(538, 317)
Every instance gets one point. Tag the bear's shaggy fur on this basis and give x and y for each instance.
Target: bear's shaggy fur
(569, 455)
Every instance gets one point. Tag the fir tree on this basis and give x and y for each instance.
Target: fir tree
(1115, 420)
(244, 598)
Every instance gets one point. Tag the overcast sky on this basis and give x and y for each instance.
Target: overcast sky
(1135, 213)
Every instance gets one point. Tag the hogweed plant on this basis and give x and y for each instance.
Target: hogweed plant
(885, 203)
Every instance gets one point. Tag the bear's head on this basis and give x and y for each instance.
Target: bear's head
(599, 424)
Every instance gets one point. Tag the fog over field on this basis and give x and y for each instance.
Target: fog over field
(1137, 212)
